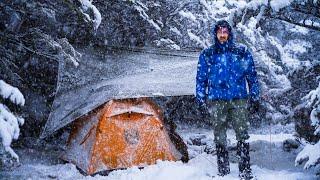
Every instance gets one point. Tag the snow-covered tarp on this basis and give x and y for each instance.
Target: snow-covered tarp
(103, 75)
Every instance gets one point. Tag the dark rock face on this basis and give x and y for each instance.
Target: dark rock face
(11, 19)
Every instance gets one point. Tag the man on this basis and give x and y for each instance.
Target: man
(224, 70)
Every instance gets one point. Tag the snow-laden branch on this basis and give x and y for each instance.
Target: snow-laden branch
(86, 5)
(261, 5)
(282, 10)
(167, 43)
(313, 100)
(142, 8)
(315, 121)
(9, 129)
(313, 97)
(242, 10)
(195, 38)
(9, 92)
(310, 154)
(9, 123)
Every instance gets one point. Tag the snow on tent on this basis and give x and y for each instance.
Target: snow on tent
(104, 75)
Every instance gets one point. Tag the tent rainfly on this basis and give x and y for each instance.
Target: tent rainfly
(103, 75)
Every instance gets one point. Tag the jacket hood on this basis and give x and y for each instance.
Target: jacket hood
(229, 43)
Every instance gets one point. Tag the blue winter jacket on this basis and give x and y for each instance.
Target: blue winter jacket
(223, 70)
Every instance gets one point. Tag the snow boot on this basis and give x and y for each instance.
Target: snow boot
(245, 172)
(223, 160)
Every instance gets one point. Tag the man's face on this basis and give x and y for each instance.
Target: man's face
(223, 34)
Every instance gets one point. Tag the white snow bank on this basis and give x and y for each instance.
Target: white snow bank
(166, 170)
(310, 154)
(270, 137)
(266, 174)
(201, 167)
(9, 92)
(277, 134)
(86, 4)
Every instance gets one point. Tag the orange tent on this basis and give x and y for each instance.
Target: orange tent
(121, 134)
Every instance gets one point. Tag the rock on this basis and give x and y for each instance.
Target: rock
(290, 144)
(210, 149)
(198, 139)
(11, 20)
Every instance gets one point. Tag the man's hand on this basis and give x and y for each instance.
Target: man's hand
(200, 102)
(254, 106)
(202, 107)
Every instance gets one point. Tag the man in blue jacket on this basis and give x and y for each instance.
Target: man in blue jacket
(224, 71)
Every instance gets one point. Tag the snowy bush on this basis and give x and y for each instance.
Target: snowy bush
(9, 123)
(311, 154)
(313, 100)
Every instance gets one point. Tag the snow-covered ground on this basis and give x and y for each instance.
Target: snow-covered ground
(269, 160)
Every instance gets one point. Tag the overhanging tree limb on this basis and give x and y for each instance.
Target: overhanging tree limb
(291, 21)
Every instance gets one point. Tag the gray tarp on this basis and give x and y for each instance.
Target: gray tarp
(109, 74)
